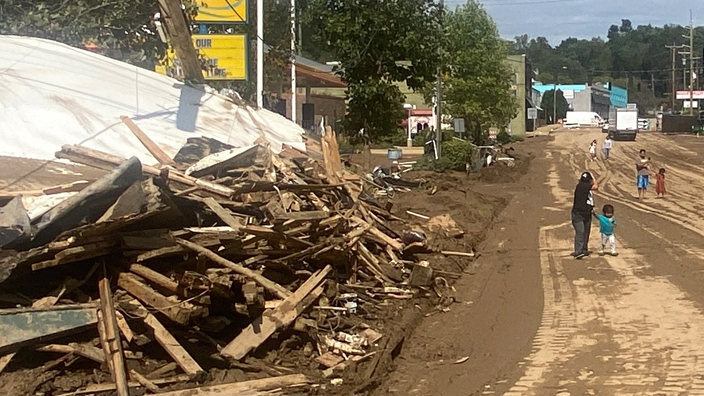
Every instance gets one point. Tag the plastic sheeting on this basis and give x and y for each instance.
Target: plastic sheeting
(52, 94)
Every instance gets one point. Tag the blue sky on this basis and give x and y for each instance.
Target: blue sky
(559, 19)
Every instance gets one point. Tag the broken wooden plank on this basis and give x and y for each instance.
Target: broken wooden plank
(223, 213)
(124, 326)
(462, 254)
(107, 309)
(168, 367)
(78, 253)
(269, 234)
(158, 279)
(397, 245)
(167, 341)
(107, 387)
(178, 312)
(303, 216)
(420, 216)
(148, 143)
(18, 327)
(272, 286)
(144, 381)
(87, 351)
(283, 315)
(246, 388)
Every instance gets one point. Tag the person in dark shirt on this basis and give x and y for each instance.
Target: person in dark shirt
(582, 209)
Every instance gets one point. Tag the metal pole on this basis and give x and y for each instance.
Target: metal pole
(260, 53)
(293, 61)
(438, 99)
(691, 64)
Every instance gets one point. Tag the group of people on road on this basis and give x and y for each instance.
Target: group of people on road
(583, 204)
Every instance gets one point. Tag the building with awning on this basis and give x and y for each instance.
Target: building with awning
(522, 90)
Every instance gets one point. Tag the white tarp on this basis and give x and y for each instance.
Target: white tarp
(52, 94)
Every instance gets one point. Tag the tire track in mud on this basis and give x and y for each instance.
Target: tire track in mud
(624, 334)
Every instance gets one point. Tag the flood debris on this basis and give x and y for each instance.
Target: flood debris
(151, 279)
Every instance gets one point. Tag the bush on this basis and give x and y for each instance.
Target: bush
(458, 153)
(503, 137)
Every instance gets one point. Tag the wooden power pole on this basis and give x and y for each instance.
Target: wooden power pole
(673, 96)
(181, 41)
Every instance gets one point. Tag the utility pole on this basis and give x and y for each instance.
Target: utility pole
(293, 61)
(554, 101)
(438, 89)
(180, 35)
(260, 53)
(673, 49)
(691, 63)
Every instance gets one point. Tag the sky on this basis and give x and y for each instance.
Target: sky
(559, 19)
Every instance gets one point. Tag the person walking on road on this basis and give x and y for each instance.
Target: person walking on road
(592, 150)
(643, 171)
(660, 183)
(608, 144)
(582, 209)
(607, 221)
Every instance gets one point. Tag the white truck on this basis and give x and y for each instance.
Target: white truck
(583, 119)
(623, 123)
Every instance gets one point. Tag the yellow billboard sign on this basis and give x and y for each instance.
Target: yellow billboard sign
(223, 56)
(222, 11)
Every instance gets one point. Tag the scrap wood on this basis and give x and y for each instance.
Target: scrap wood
(154, 277)
(78, 253)
(222, 213)
(112, 334)
(272, 286)
(268, 233)
(397, 245)
(167, 341)
(283, 315)
(168, 367)
(62, 188)
(144, 381)
(148, 143)
(424, 217)
(107, 387)
(87, 351)
(246, 388)
(463, 254)
(179, 312)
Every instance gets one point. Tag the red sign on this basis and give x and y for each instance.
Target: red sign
(685, 95)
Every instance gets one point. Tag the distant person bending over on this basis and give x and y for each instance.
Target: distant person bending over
(592, 150)
(607, 221)
(660, 183)
(582, 209)
(608, 144)
(642, 170)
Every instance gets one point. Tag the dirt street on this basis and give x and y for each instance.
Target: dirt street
(534, 321)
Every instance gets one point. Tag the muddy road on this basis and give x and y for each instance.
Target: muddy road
(534, 321)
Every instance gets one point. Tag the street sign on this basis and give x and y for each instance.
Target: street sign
(222, 11)
(459, 125)
(532, 113)
(224, 57)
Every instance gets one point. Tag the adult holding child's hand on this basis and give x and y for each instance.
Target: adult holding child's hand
(582, 209)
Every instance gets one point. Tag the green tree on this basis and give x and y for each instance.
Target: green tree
(477, 85)
(378, 43)
(119, 25)
(547, 104)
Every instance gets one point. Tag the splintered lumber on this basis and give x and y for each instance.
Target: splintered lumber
(283, 315)
(144, 382)
(148, 143)
(78, 253)
(101, 160)
(158, 279)
(87, 351)
(245, 388)
(273, 287)
(303, 216)
(107, 387)
(462, 254)
(178, 312)
(222, 213)
(167, 368)
(380, 235)
(107, 309)
(168, 342)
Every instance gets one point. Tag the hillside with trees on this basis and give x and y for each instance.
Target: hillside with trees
(632, 57)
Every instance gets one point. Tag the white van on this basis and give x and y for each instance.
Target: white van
(583, 119)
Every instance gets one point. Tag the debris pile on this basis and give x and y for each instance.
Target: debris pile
(151, 279)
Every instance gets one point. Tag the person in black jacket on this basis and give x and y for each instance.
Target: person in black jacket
(582, 209)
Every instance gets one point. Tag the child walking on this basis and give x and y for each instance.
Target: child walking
(606, 227)
(660, 183)
(592, 150)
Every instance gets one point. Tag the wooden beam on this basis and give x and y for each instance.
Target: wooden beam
(179, 313)
(87, 351)
(158, 279)
(222, 213)
(144, 381)
(168, 342)
(180, 36)
(272, 286)
(377, 233)
(107, 387)
(246, 388)
(283, 315)
(107, 309)
(78, 253)
(148, 143)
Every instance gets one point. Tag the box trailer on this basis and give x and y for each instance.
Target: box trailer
(623, 123)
